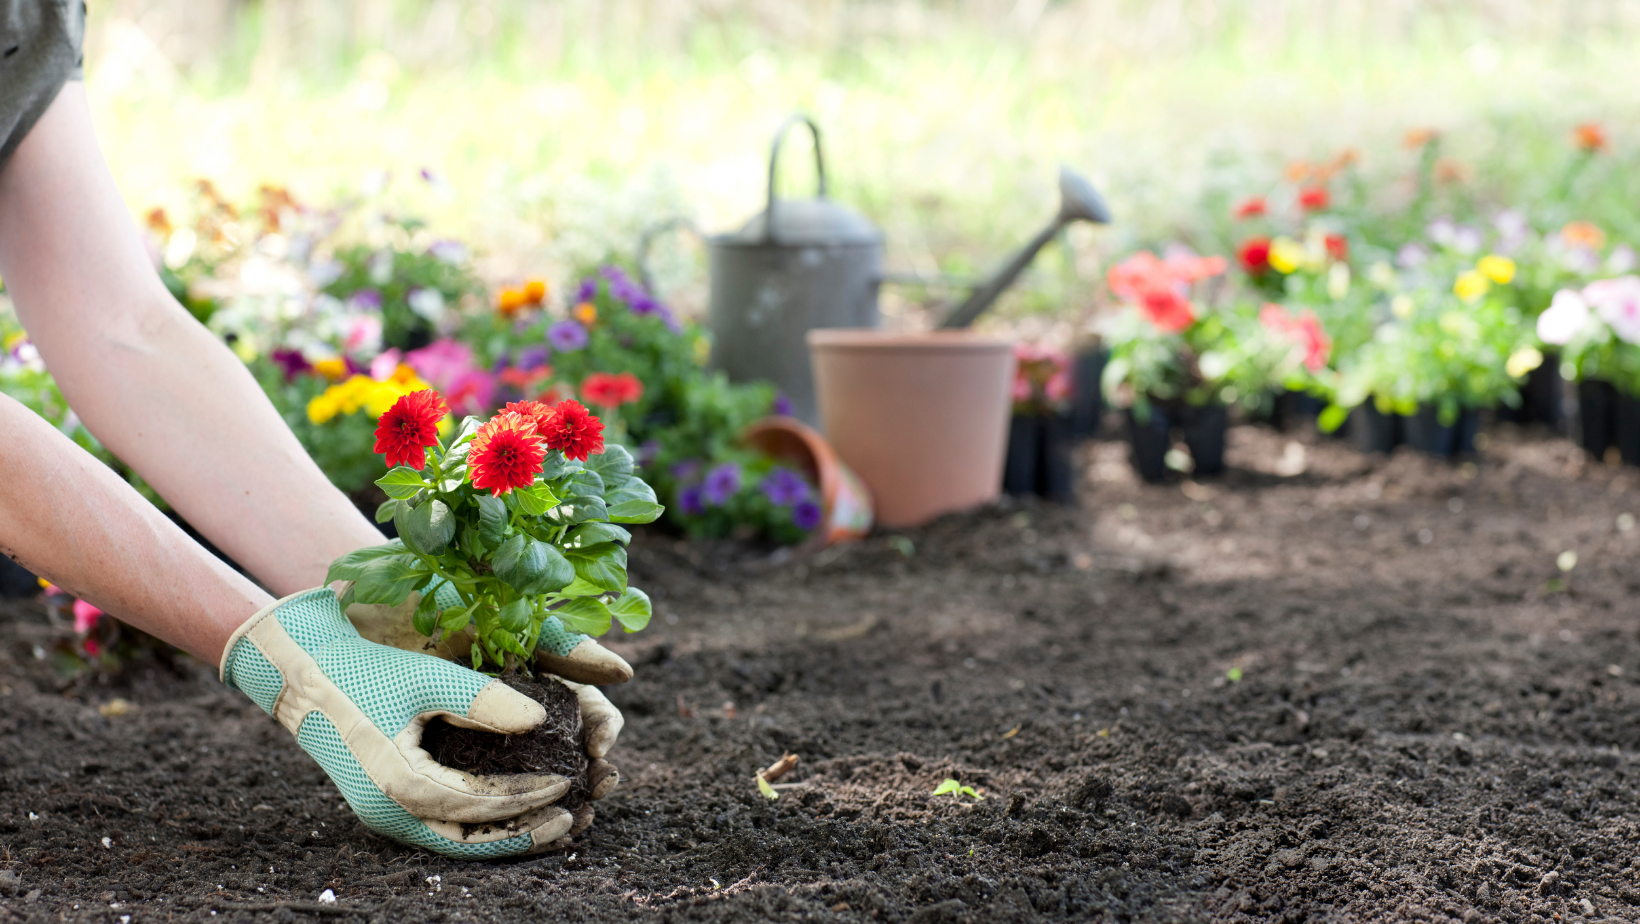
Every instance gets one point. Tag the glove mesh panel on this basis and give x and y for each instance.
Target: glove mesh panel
(319, 738)
(393, 686)
(446, 595)
(249, 672)
(557, 639)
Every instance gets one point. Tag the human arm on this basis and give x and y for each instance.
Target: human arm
(156, 388)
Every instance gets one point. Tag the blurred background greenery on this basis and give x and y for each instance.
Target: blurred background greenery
(556, 131)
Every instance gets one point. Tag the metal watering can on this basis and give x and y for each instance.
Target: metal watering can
(801, 264)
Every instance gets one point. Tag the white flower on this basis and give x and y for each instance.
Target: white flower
(427, 303)
(1622, 259)
(1617, 302)
(1564, 317)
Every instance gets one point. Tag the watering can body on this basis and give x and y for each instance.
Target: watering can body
(800, 264)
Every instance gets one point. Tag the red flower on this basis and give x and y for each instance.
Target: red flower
(409, 427)
(1167, 309)
(1254, 255)
(1314, 198)
(574, 430)
(1338, 247)
(1590, 137)
(538, 413)
(1250, 207)
(611, 391)
(506, 454)
(1304, 331)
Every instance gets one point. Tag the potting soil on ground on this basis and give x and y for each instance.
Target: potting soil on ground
(1327, 687)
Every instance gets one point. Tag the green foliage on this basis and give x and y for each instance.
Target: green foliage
(546, 550)
(957, 790)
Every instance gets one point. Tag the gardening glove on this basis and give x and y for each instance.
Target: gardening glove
(358, 708)
(561, 653)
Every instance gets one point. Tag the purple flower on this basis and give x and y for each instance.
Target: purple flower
(644, 305)
(453, 252)
(783, 405)
(586, 291)
(784, 487)
(501, 363)
(1411, 256)
(722, 483)
(806, 515)
(292, 361)
(567, 336)
(613, 273)
(534, 357)
(441, 362)
(685, 470)
(647, 451)
(689, 501)
(365, 300)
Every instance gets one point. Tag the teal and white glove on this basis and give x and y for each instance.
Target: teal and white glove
(358, 708)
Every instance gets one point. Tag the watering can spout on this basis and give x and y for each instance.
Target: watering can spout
(1078, 201)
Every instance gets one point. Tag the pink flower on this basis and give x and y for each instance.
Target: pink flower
(364, 334)
(1304, 332)
(1058, 387)
(85, 616)
(1567, 314)
(1617, 302)
(440, 363)
(383, 366)
(471, 392)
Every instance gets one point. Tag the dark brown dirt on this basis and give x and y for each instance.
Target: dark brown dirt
(555, 746)
(1432, 722)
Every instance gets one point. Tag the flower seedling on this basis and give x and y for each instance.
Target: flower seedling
(957, 790)
(519, 514)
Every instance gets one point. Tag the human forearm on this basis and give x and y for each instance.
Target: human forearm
(152, 384)
(68, 517)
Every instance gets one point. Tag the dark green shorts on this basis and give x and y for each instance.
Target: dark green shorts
(40, 48)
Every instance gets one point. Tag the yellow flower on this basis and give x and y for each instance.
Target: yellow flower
(1522, 361)
(405, 378)
(1286, 254)
(703, 351)
(323, 407)
(586, 313)
(244, 349)
(12, 341)
(334, 368)
(381, 399)
(1500, 270)
(1402, 306)
(1471, 285)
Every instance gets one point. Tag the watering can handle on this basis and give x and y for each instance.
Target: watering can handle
(774, 161)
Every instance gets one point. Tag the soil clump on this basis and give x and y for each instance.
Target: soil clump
(557, 745)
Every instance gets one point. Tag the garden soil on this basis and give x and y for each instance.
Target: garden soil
(1325, 687)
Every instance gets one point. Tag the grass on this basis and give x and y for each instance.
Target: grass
(564, 129)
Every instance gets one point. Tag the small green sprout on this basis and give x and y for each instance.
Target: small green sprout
(902, 545)
(766, 790)
(957, 789)
(1233, 675)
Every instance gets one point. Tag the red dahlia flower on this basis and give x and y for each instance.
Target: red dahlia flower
(535, 411)
(1314, 198)
(409, 427)
(611, 391)
(1167, 309)
(1254, 255)
(1338, 247)
(1251, 207)
(574, 430)
(506, 454)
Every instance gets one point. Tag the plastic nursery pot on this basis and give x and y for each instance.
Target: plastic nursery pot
(1204, 430)
(1371, 430)
(1425, 432)
(1597, 416)
(1626, 428)
(1150, 440)
(1293, 411)
(1039, 457)
(1087, 399)
(923, 418)
(843, 498)
(1542, 396)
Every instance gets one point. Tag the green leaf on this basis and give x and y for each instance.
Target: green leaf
(586, 615)
(534, 501)
(426, 617)
(454, 620)
(579, 510)
(432, 526)
(584, 484)
(632, 610)
(492, 520)
(401, 483)
(389, 580)
(350, 567)
(451, 481)
(614, 464)
(530, 566)
(947, 786)
(515, 616)
(765, 789)
(591, 534)
(554, 466)
(1331, 418)
(464, 434)
(582, 588)
(386, 510)
(635, 511)
(603, 565)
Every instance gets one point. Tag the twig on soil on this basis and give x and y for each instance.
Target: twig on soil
(780, 767)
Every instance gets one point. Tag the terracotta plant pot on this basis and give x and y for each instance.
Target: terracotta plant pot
(843, 497)
(923, 418)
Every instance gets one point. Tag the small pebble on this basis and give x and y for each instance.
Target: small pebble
(327, 897)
